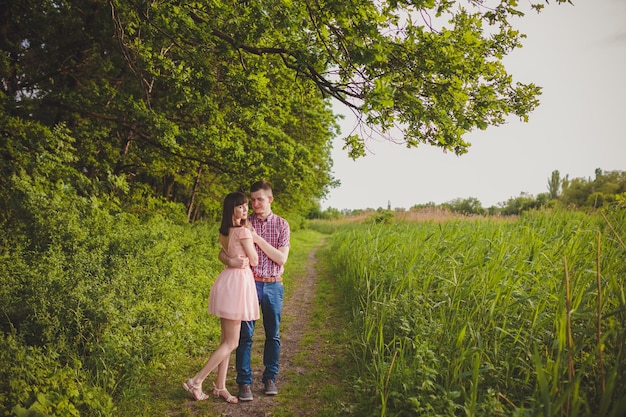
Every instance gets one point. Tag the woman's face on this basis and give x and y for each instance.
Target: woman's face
(240, 212)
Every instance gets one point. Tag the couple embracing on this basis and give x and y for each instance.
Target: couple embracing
(254, 250)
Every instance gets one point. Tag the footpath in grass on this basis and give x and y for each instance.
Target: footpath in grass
(314, 379)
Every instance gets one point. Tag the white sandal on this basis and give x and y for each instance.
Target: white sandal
(217, 393)
(190, 387)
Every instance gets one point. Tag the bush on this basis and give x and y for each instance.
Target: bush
(35, 382)
(93, 299)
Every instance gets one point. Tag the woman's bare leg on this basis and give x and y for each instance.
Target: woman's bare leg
(230, 337)
(220, 357)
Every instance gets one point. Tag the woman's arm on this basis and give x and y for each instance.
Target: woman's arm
(278, 255)
(248, 246)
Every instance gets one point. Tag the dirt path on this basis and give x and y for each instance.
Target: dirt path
(296, 316)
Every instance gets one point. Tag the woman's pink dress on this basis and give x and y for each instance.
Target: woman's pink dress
(233, 295)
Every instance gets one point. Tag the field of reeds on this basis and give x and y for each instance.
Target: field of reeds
(486, 317)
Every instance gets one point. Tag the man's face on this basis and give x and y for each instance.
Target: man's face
(261, 201)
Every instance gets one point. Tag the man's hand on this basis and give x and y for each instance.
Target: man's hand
(234, 262)
(239, 262)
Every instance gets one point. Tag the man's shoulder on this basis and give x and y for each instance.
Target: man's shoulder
(280, 219)
(283, 223)
(277, 219)
(273, 218)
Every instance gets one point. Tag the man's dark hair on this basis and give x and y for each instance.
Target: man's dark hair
(261, 185)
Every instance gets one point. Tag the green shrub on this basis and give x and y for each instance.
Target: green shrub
(92, 291)
(36, 382)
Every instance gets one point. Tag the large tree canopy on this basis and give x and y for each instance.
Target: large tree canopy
(191, 99)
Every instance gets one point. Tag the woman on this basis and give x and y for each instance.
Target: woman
(233, 297)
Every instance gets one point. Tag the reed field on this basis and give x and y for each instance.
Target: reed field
(486, 317)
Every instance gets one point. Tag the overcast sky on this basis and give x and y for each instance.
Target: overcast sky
(578, 55)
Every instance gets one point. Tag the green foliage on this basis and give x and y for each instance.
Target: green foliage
(577, 193)
(98, 298)
(517, 205)
(597, 192)
(472, 317)
(554, 185)
(189, 101)
(154, 100)
(330, 213)
(37, 382)
(382, 216)
(466, 206)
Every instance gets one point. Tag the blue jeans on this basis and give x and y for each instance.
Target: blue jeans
(271, 300)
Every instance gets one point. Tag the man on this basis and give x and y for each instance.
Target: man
(271, 235)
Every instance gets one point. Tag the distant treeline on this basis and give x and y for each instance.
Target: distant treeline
(605, 188)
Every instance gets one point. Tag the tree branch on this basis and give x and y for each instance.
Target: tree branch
(288, 57)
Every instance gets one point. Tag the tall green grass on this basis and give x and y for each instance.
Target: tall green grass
(485, 317)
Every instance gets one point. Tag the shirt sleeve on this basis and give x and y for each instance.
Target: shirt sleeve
(285, 235)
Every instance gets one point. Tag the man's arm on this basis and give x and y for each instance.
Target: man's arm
(235, 262)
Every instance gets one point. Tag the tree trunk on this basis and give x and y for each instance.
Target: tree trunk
(193, 193)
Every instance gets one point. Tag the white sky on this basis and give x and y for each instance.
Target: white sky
(578, 55)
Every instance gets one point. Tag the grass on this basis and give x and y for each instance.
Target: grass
(324, 388)
(485, 317)
(473, 317)
(317, 380)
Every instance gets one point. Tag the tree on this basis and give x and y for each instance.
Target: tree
(430, 68)
(154, 101)
(516, 205)
(603, 189)
(467, 206)
(190, 100)
(554, 185)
